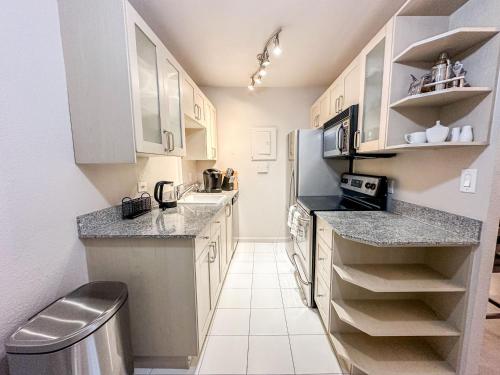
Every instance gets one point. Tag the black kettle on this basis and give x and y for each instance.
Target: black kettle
(165, 197)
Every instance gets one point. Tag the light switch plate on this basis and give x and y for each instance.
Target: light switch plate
(468, 180)
(142, 186)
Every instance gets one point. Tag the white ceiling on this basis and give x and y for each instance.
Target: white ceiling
(217, 41)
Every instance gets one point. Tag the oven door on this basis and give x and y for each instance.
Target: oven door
(333, 141)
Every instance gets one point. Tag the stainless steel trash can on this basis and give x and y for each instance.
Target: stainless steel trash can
(85, 333)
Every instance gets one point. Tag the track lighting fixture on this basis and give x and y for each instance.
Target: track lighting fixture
(263, 59)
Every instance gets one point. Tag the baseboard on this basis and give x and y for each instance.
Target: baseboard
(263, 239)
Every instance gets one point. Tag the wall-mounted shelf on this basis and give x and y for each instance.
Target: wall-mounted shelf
(454, 42)
(440, 98)
(394, 278)
(393, 318)
(430, 7)
(419, 146)
(389, 355)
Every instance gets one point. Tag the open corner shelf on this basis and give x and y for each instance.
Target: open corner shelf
(438, 145)
(395, 278)
(390, 355)
(454, 42)
(401, 318)
(440, 98)
(430, 8)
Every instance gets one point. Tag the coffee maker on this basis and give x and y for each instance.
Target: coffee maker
(212, 179)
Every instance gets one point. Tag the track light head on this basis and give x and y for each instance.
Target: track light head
(277, 49)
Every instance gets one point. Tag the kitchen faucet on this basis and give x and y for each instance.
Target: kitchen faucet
(179, 194)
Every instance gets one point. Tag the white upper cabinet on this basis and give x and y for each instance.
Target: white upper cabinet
(315, 113)
(124, 86)
(374, 91)
(156, 91)
(343, 93)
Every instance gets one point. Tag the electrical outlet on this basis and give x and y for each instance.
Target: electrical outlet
(142, 186)
(390, 186)
(468, 180)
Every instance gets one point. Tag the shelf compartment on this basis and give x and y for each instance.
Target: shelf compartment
(396, 278)
(393, 318)
(440, 98)
(454, 42)
(390, 356)
(411, 147)
(430, 8)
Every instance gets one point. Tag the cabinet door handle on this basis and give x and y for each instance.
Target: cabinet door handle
(167, 139)
(195, 110)
(341, 103)
(171, 141)
(357, 139)
(211, 258)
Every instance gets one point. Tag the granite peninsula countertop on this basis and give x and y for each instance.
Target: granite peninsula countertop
(406, 225)
(185, 221)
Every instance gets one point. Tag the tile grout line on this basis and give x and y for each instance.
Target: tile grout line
(287, 331)
(250, 315)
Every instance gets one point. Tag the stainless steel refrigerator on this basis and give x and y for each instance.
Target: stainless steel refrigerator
(308, 174)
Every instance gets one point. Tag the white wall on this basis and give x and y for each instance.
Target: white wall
(262, 196)
(42, 190)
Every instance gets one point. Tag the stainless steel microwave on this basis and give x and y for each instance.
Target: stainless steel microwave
(339, 134)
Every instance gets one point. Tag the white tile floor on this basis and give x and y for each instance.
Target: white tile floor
(261, 325)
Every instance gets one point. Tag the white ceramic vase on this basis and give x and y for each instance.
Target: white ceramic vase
(438, 133)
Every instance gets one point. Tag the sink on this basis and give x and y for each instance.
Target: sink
(200, 198)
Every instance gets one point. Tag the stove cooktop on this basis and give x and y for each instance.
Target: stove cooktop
(332, 203)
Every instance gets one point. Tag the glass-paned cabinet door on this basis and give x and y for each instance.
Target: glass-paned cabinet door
(149, 90)
(374, 91)
(171, 101)
(372, 98)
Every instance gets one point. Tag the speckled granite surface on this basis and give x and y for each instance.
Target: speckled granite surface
(185, 221)
(411, 225)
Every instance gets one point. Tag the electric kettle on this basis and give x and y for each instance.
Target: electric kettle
(164, 194)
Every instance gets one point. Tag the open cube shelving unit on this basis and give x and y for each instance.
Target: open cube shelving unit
(398, 310)
(423, 29)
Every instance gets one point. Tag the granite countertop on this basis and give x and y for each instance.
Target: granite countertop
(186, 221)
(409, 226)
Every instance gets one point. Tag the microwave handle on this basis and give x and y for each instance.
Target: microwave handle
(339, 138)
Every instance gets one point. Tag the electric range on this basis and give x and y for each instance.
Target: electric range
(359, 193)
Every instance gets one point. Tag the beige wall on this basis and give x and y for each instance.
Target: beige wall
(262, 196)
(42, 190)
(120, 180)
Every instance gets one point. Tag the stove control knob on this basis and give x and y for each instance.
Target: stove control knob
(373, 187)
(368, 185)
(344, 180)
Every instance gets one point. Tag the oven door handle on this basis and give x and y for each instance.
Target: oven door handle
(299, 277)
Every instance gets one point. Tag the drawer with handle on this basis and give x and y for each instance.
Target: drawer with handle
(322, 298)
(324, 231)
(201, 241)
(216, 224)
(323, 260)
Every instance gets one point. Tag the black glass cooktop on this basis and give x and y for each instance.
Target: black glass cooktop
(331, 203)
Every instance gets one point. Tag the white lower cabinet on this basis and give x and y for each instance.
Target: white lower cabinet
(215, 270)
(174, 285)
(203, 295)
